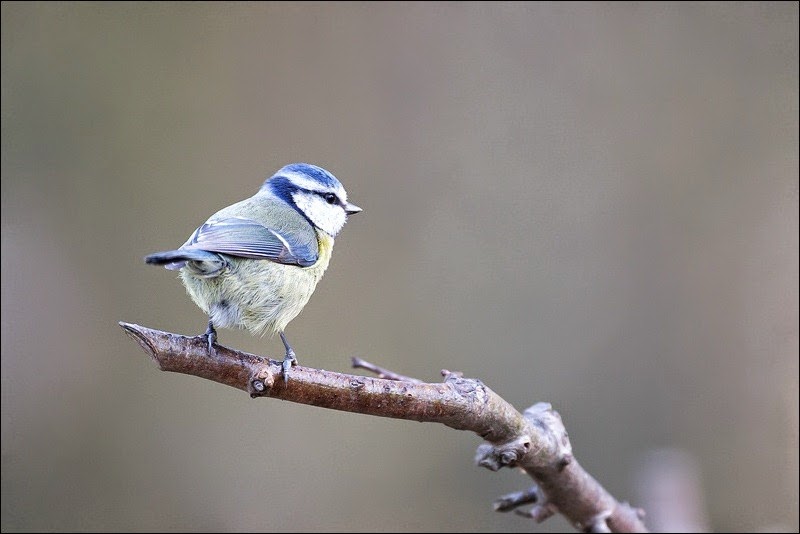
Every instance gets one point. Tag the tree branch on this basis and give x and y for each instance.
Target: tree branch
(535, 441)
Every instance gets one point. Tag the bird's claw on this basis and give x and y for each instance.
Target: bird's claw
(211, 337)
(287, 364)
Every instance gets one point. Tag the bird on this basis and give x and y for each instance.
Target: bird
(255, 264)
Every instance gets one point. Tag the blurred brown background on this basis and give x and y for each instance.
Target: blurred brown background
(594, 205)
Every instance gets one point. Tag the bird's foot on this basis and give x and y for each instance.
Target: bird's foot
(211, 336)
(288, 362)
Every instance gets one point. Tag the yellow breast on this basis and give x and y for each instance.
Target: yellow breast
(325, 249)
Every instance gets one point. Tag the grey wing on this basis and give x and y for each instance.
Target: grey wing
(247, 238)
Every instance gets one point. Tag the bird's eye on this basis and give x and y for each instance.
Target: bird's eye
(330, 198)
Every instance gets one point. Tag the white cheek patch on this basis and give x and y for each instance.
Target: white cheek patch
(329, 218)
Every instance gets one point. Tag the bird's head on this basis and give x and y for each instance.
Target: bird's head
(315, 193)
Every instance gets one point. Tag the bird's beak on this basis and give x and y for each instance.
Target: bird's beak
(350, 209)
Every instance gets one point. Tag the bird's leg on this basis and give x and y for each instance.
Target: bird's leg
(289, 360)
(211, 335)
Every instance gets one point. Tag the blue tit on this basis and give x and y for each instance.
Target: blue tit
(255, 264)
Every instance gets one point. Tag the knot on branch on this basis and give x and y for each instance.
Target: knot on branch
(466, 387)
(261, 381)
(545, 419)
(503, 455)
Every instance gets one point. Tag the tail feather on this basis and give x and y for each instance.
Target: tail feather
(175, 259)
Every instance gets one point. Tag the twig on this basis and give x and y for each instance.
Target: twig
(358, 363)
(512, 501)
(535, 441)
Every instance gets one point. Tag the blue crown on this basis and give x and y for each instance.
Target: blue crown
(318, 174)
